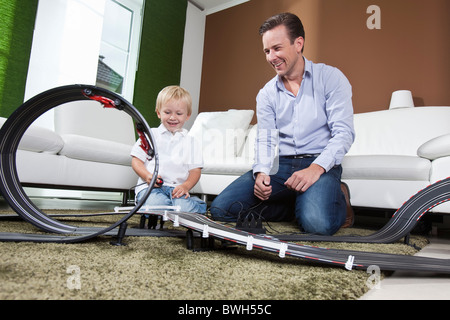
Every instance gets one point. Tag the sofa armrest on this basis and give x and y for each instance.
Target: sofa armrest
(39, 139)
(97, 150)
(435, 148)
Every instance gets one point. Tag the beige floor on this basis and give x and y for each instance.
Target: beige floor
(402, 285)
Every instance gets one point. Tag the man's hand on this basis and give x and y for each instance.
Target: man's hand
(262, 188)
(301, 180)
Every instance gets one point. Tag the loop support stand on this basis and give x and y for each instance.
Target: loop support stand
(120, 235)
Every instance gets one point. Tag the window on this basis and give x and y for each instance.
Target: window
(119, 49)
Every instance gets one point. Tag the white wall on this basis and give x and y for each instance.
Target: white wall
(65, 48)
(191, 68)
(194, 36)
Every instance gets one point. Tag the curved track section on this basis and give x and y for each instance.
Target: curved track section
(11, 134)
(403, 220)
(341, 258)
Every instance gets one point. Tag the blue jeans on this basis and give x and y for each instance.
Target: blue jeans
(163, 197)
(320, 210)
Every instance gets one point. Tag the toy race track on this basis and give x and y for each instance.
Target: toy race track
(12, 132)
(401, 223)
(55, 231)
(344, 258)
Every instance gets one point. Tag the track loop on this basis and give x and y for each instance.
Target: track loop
(11, 134)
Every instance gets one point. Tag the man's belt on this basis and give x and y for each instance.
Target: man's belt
(302, 156)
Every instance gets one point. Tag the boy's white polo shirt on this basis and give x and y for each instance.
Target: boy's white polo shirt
(178, 154)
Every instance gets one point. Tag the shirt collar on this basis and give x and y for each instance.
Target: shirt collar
(163, 130)
(308, 68)
(306, 73)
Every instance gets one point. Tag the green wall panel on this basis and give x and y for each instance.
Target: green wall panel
(159, 61)
(160, 53)
(17, 20)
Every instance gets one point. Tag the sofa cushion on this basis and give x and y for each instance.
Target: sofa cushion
(97, 150)
(89, 118)
(39, 139)
(222, 133)
(235, 166)
(398, 131)
(49, 169)
(386, 167)
(248, 149)
(435, 148)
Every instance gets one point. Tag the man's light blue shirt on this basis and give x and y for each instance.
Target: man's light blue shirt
(319, 120)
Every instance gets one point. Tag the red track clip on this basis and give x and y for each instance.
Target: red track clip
(106, 102)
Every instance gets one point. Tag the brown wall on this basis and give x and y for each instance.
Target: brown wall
(410, 51)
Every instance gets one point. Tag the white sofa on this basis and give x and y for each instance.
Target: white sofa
(89, 149)
(396, 153)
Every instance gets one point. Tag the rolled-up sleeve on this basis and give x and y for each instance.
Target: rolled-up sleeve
(267, 134)
(339, 109)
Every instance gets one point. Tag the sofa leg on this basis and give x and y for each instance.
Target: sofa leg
(204, 197)
(124, 198)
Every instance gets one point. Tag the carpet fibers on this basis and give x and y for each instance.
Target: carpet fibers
(161, 268)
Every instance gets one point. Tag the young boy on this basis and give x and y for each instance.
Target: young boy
(180, 155)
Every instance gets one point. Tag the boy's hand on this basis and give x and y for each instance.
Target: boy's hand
(180, 191)
(158, 183)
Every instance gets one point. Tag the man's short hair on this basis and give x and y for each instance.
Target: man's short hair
(292, 23)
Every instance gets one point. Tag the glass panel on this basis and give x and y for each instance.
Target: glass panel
(115, 47)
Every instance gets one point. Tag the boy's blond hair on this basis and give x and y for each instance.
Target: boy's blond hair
(176, 93)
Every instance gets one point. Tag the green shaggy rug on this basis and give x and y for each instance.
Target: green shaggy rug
(162, 268)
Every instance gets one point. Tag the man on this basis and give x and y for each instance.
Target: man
(305, 127)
